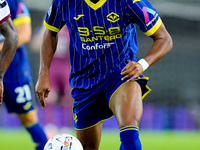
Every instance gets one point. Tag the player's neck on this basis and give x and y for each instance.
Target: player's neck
(94, 1)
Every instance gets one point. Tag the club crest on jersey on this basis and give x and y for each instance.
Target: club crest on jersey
(112, 17)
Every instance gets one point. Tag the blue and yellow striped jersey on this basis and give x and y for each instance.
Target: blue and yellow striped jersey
(19, 70)
(103, 35)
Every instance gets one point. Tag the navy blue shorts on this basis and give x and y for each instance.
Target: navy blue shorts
(92, 106)
(18, 97)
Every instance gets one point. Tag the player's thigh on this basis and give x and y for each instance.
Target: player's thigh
(90, 138)
(126, 104)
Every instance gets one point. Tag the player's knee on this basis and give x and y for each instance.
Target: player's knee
(133, 121)
(90, 143)
(136, 120)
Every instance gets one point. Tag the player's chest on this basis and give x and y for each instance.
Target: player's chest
(94, 17)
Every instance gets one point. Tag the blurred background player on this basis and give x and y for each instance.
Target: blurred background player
(18, 86)
(60, 95)
(8, 49)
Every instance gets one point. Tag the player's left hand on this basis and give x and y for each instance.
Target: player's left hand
(133, 69)
(1, 91)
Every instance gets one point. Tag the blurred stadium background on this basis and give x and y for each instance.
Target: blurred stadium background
(174, 103)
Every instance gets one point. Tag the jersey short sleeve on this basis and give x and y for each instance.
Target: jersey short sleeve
(4, 11)
(19, 12)
(53, 20)
(143, 14)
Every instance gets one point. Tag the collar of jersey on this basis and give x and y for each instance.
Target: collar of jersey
(97, 5)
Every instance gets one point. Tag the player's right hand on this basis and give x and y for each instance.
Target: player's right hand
(131, 70)
(42, 89)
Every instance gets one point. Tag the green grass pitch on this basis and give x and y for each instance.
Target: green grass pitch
(151, 140)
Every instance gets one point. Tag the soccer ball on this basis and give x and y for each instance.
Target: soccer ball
(63, 142)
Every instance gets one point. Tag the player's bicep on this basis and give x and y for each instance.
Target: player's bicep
(50, 39)
(161, 33)
(24, 32)
(49, 34)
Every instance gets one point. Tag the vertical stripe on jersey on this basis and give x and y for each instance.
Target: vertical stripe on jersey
(92, 57)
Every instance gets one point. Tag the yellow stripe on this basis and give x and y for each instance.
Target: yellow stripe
(154, 28)
(52, 28)
(27, 105)
(97, 5)
(135, 1)
(94, 124)
(18, 21)
(129, 126)
(27, 114)
(129, 129)
(133, 128)
(145, 94)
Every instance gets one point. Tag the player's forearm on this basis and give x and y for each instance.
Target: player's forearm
(24, 33)
(159, 49)
(47, 51)
(162, 45)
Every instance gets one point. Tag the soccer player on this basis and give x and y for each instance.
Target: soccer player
(18, 82)
(8, 31)
(106, 76)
